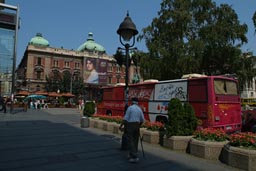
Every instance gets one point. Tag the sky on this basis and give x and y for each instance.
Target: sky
(67, 23)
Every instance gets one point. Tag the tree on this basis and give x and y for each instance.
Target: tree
(194, 36)
(247, 70)
(254, 20)
(53, 81)
(148, 66)
(62, 81)
(89, 109)
(181, 119)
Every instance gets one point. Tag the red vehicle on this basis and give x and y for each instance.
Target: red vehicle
(249, 121)
(215, 99)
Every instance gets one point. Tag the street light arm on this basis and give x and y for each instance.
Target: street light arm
(126, 44)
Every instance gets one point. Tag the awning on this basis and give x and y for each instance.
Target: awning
(54, 94)
(67, 95)
(22, 93)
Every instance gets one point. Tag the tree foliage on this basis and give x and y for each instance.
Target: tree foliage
(62, 81)
(181, 119)
(89, 108)
(194, 36)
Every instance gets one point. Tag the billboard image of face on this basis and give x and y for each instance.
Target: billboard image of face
(95, 71)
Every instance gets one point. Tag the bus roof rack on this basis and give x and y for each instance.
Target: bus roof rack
(193, 75)
(150, 81)
(119, 84)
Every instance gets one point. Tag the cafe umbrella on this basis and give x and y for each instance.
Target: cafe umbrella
(35, 96)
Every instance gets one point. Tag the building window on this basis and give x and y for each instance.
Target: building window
(39, 61)
(118, 78)
(252, 94)
(66, 63)
(38, 88)
(110, 67)
(38, 75)
(118, 69)
(109, 80)
(56, 63)
(77, 65)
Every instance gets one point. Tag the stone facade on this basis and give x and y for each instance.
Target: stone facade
(39, 62)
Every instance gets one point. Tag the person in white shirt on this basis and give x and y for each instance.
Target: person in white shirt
(132, 120)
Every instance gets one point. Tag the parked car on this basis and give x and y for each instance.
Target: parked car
(249, 121)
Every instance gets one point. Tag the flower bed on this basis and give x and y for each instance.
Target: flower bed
(208, 143)
(243, 140)
(153, 126)
(241, 151)
(117, 119)
(210, 134)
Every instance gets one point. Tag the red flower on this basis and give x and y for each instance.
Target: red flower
(210, 134)
(244, 139)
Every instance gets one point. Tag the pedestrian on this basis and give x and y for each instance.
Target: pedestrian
(5, 104)
(25, 105)
(2, 101)
(133, 119)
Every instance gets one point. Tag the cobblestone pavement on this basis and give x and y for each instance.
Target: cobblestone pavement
(52, 140)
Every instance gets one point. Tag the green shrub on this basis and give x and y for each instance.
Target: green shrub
(89, 109)
(181, 119)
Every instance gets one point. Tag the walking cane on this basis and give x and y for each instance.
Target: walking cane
(141, 138)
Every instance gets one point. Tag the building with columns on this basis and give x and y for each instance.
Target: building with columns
(45, 69)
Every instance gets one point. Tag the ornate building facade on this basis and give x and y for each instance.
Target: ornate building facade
(42, 63)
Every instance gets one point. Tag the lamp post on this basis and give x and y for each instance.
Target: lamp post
(126, 31)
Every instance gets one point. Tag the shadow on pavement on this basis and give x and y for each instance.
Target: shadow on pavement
(35, 145)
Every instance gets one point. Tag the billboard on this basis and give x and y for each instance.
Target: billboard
(95, 71)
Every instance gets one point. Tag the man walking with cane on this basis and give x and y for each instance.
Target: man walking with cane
(133, 119)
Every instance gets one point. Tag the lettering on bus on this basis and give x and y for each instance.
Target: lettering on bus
(171, 90)
(141, 93)
(113, 105)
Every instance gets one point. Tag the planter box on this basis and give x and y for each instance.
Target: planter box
(206, 149)
(93, 122)
(177, 142)
(151, 137)
(116, 129)
(239, 157)
(84, 121)
(113, 127)
(105, 125)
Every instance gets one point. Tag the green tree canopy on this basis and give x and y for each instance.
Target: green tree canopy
(194, 36)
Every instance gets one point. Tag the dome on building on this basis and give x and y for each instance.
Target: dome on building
(39, 40)
(91, 45)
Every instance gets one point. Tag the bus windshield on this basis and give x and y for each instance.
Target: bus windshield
(225, 87)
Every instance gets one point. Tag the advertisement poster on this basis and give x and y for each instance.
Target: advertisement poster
(95, 71)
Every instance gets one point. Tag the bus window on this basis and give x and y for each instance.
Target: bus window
(198, 90)
(225, 87)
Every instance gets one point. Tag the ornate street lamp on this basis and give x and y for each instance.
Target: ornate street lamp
(127, 31)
